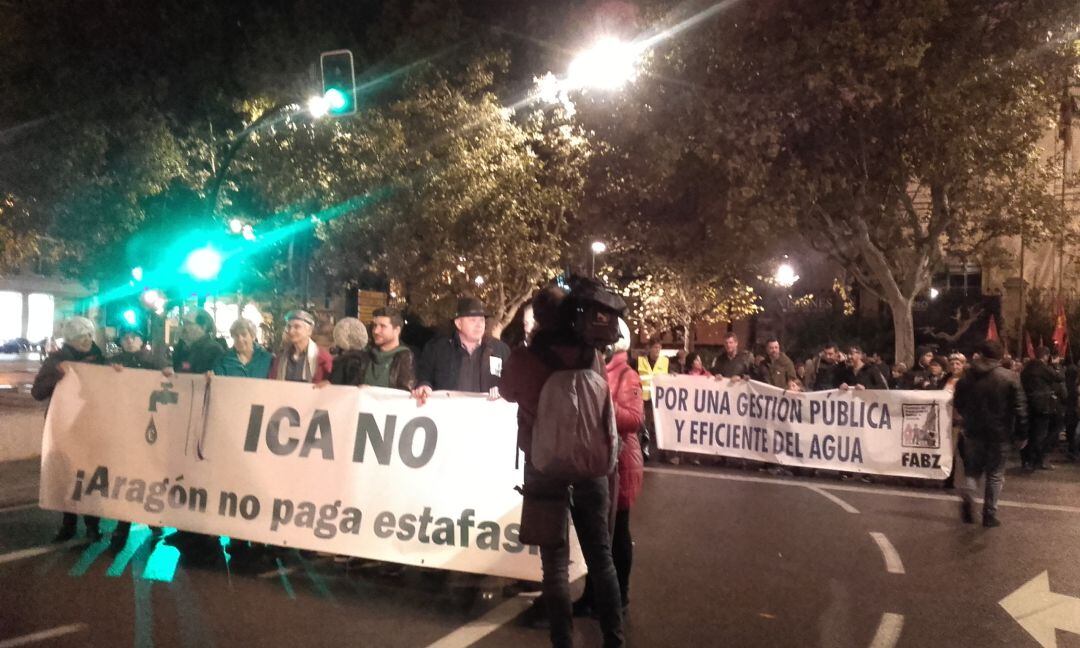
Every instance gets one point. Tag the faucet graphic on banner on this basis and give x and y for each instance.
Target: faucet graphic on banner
(163, 396)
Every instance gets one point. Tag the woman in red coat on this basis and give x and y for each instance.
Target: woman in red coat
(625, 386)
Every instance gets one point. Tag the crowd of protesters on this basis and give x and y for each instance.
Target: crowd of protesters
(999, 404)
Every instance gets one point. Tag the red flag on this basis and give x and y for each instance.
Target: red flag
(1030, 349)
(991, 330)
(1060, 338)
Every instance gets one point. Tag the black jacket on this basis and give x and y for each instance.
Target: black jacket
(199, 357)
(141, 360)
(869, 376)
(50, 374)
(440, 362)
(824, 375)
(741, 365)
(348, 367)
(1044, 388)
(991, 401)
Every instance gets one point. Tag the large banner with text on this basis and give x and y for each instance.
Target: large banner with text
(898, 433)
(355, 471)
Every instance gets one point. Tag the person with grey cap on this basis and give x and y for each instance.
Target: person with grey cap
(301, 360)
(79, 346)
(468, 360)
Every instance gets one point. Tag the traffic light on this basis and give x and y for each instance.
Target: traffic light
(338, 82)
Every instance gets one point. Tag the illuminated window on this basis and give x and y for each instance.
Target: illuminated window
(40, 323)
(10, 315)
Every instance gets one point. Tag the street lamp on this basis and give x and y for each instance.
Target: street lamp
(607, 65)
(203, 264)
(597, 247)
(785, 275)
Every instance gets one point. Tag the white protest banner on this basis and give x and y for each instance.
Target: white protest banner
(898, 433)
(346, 470)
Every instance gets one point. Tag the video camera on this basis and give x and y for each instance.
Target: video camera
(595, 311)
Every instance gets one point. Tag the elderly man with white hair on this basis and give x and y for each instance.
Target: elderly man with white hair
(302, 360)
(79, 346)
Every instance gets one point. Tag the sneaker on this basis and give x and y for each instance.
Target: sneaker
(1046, 465)
(64, 534)
(991, 521)
(965, 513)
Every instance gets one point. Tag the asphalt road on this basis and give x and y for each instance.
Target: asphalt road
(722, 558)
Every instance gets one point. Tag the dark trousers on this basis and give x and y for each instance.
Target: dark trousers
(1072, 436)
(1043, 433)
(70, 520)
(590, 511)
(984, 458)
(622, 554)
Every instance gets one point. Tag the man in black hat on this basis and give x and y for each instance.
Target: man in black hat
(469, 360)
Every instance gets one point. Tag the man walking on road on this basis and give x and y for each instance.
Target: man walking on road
(1044, 388)
(992, 404)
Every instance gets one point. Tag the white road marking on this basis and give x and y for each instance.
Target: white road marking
(888, 631)
(893, 564)
(40, 551)
(1043, 612)
(474, 631)
(866, 490)
(43, 635)
(829, 496)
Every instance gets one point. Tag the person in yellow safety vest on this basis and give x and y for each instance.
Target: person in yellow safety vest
(647, 366)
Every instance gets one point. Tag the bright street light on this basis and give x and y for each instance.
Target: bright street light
(137, 273)
(607, 65)
(203, 264)
(934, 293)
(248, 232)
(785, 275)
(236, 225)
(479, 281)
(597, 247)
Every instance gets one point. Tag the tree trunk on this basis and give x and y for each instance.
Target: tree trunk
(688, 335)
(903, 330)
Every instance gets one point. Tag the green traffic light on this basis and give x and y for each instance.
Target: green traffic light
(129, 317)
(336, 100)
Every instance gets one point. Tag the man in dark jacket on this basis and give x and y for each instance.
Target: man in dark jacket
(201, 350)
(861, 374)
(777, 369)
(994, 409)
(79, 346)
(1044, 387)
(824, 371)
(543, 515)
(466, 361)
(733, 363)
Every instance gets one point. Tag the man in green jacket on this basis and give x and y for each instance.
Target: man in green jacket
(388, 363)
(778, 370)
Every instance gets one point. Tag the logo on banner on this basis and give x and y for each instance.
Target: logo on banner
(920, 428)
(163, 396)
